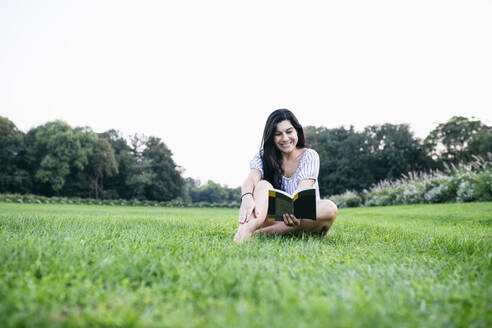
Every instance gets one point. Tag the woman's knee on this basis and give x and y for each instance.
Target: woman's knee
(326, 210)
(326, 213)
(263, 185)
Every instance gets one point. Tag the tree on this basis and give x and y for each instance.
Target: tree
(102, 164)
(141, 175)
(191, 191)
(210, 192)
(13, 174)
(449, 141)
(351, 160)
(343, 159)
(124, 183)
(233, 194)
(165, 181)
(213, 193)
(481, 143)
(56, 149)
(394, 151)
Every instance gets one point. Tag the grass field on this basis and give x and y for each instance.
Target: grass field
(405, 266)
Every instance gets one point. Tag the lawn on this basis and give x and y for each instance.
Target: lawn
(400, 266)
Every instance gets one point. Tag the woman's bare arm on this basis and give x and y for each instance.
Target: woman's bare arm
(306, 183)
(247, 201)
(249, 184)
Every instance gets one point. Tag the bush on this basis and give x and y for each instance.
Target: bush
(379, 197)
(204, 204)
(483, 185)
(347, 199)
(441, 190)
(461, 183)
(234, 205)
(414, 193)
(465, 192)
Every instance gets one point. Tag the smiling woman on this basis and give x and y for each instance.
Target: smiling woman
(283, 163)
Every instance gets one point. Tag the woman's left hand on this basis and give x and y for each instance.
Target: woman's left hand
(291, 221)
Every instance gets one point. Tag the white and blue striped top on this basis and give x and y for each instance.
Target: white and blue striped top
(308, 169)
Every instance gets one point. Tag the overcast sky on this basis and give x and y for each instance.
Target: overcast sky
(204, 75)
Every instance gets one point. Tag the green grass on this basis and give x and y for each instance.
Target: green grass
(406, 266)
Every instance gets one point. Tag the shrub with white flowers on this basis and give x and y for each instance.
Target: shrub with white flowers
(465, 192)
(456, 183)
(347, 199)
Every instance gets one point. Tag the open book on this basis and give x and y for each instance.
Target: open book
(302, 204)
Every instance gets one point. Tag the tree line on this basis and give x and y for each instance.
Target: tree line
(55, 159)
(356, 160)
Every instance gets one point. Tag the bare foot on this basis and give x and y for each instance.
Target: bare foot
(242, 234)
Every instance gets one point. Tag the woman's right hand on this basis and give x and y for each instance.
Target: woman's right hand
(247, 209)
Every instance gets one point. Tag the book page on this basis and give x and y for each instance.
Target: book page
(279, 203)
(283, 193)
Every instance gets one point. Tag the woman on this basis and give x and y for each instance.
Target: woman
(283, 163)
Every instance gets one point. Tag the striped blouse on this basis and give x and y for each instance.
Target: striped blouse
(308, 169)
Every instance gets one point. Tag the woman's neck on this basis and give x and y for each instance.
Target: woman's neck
(293, 155)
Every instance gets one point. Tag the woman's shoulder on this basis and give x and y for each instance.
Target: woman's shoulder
(309, 166)
(310, 154)
(259, 154)
(257, 162)
(311, 151)
(309, 157)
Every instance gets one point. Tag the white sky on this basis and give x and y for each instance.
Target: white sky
(204, 75)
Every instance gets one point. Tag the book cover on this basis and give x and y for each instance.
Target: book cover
(302, 204)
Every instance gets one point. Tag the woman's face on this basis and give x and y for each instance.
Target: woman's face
(285, 137)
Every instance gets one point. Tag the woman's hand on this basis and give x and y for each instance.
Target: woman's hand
(248, 207)
(291, 221)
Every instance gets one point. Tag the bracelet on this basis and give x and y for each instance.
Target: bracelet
(246, 193)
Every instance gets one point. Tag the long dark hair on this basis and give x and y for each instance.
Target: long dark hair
(272, 157)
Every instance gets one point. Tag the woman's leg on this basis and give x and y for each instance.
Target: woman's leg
(260, 194)
(277, 227)
(326, 213)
